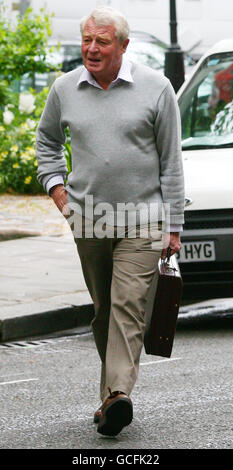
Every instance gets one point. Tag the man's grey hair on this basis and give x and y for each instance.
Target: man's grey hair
(103, 16)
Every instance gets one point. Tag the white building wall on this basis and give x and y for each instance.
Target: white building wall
(199, 21)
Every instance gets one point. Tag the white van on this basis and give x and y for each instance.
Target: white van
(206, 106)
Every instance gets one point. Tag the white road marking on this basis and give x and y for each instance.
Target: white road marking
(12, 375)
(17, 381)
(162, 360)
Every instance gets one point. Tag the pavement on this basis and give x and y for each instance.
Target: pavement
(42, 288)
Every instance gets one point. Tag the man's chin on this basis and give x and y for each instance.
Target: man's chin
(93, 66)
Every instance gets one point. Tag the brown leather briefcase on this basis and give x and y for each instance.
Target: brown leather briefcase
(162, 309)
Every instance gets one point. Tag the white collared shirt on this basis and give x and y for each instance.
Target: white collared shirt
(123, 74)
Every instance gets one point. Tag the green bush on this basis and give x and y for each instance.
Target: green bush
(22, 50)
(18, 122)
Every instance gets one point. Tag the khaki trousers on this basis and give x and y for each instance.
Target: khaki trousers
(118, 272)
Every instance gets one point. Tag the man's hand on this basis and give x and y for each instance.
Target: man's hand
(172, 240)
(59, 195)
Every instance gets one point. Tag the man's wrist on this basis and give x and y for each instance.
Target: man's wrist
(53, 189)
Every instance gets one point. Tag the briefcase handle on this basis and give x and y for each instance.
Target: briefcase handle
(166, 262)
(168, 254)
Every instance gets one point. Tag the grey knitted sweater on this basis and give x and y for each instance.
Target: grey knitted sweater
(125, 141)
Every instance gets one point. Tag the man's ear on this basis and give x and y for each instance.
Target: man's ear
(125, 45)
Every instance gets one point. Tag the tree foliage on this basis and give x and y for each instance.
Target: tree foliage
(23, 45)
(23, 48)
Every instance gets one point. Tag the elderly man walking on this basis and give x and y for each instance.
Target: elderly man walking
(124, 125)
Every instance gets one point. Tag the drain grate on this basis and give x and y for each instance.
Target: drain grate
(33, 343)
(26, 344)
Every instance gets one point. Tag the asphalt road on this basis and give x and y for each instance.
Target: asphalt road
(49, 392)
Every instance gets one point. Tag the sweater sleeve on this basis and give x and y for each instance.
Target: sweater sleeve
(50, 138)
(168, 142)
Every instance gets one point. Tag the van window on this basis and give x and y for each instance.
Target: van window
(206, 105)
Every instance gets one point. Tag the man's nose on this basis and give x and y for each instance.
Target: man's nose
(93, 46)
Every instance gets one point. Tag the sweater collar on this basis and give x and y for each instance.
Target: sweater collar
(123, 74)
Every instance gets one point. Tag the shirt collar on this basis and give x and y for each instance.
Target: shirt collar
(123, 74)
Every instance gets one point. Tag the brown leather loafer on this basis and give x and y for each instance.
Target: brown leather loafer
(115, 413)
(97, 415)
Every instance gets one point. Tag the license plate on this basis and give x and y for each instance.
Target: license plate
(192, 252)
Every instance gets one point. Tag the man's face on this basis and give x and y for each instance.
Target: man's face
(101, 50)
